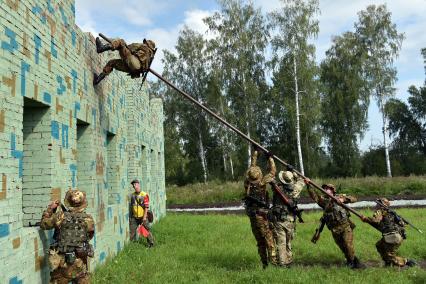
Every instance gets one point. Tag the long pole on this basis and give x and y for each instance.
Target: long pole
(236, 130)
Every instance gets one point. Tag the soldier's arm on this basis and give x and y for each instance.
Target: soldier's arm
(272, 171)
(298, 187)
(254, 159)
(375, 220)
(51, 217)
(316, 197)
(90, 223)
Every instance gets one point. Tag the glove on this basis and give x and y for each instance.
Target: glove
(290, 168)
(270, 154)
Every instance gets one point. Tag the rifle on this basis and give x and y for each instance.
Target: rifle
(252, 199)
(397, 217)
(318, 231)
(293, 208)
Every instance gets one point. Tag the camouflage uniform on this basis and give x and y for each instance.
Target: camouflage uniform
(255, 187)
(134, 58)
(73, 230)
(392, 236)
(338, 222)
(283, 221)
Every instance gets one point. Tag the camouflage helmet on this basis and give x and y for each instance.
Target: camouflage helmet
(75, 199)
(254, 174)
(149, 43)
(285, 177)
(329, 186)
(384, 201)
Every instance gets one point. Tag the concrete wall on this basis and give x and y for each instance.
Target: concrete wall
(58, 132)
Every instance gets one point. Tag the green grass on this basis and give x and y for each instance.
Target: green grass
(218, 192)
(222, 249)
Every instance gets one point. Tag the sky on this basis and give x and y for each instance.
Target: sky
(162, 20)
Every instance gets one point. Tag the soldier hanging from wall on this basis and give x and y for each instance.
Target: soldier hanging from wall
(135, 58)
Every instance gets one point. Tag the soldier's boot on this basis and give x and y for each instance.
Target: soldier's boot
(411, 263)
(150, 240)
(264, 264)
(101, 47)
(356, 264)
(98, 78)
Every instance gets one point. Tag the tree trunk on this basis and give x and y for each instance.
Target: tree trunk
(385, 142)
(232, 166)
(202, 156)
(249, 145)
(296, 92)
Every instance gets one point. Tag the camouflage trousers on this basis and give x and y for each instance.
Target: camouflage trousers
(65, 273)
(283, 232)
(344, 238)
(133, 226)
(128, 62)
(263, 234)
(388, 253)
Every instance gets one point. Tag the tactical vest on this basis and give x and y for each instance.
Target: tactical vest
(73, 232)
(389, 224)
(257, 192)
(335, 215)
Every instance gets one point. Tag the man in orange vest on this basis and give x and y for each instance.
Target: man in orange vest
(138, 215)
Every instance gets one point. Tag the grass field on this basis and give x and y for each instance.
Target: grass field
(222, 249)
(218, 192)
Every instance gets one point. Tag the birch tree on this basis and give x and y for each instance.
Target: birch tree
(296, 24)
(382, 43)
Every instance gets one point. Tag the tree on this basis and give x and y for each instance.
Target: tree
(188, 70)
(239, 48)
(295, 55)
(381, 43)
(345, 100)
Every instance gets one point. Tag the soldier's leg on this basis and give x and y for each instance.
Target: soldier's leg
(117, 64)
(280, 241)
(267, 235)
(388, 253)
(260, 240)
(289, 231)
(341, 242)
(131, 61)
(348, 241)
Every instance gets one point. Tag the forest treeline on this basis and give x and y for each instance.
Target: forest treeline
(259, 72)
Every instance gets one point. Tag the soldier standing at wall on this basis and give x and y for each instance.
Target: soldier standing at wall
(283, 221)
(337, 220)
(134, 58)
(256, 202)
(73, 230)
(138, 212)
(393, 234)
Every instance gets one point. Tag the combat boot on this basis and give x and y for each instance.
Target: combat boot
(98, 78)
(411, 263)
(356, 264)
(100, 47)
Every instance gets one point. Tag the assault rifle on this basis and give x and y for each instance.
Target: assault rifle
(251, 199)
(396, 216)
(293, 207)
(318, 231)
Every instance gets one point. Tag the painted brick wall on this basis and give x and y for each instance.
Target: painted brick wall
(58, 132)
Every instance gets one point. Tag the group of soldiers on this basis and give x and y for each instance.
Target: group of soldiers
(74, 228)
(274, 227)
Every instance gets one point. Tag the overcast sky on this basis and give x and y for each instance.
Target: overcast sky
(161, 21)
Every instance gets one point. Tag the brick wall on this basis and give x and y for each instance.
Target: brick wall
(58, 132)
